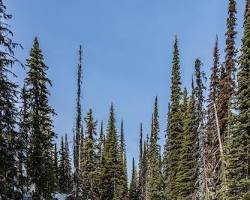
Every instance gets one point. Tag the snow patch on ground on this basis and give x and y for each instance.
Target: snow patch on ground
(61, 196)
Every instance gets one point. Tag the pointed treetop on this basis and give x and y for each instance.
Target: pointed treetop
(141, 138)
(101, 131)
(175, 77)
(122, 138)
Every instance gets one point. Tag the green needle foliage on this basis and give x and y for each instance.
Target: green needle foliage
(40, 155)
(175, 128)
(133, 188)
(238, 156)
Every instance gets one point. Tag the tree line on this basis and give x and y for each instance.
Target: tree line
(206, 155)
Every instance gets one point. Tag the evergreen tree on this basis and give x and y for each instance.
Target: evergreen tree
(186, 175)
(22, 144)
(100, 145)
(89, 160)
(68, 168)
(165, 156)
(62, 169)
(123, 186)
(227, 82)
(78, 128)
(110, 162)
(194, 138)
(144, 174)
(8, 110)
(200, 114)
(41, 125)
(141, 177)
(212, 154)
(56, 166)
(133, 193)
(175, 129)
(155, 182)
(238, 156)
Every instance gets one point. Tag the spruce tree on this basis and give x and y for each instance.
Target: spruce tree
(227, 82)
(89, 160)
(155, 181)
(212, 153)
(144, 173)
(22, 144)
(175, 129)
(41, 125)
(68, 168)
(187, 167)
(165, 156)
(110, 162)
(133, 193)
(8, 110)
(56, 166)
(200, 114)
(238, 156)
(141, 152)
(62, 168)
(78, 128)
(143, 168)
(100, 145)
(123, 186)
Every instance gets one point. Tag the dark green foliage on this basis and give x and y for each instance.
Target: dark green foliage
(175, 128)
(155, 181)
(56, 166)
(186, 174)
(40, 155)
(8, 110)
(111, 162)
(196, 164)
(212, 153)
(227, 82)
(133, 193)
(78, 128)
(64, 168)
(200, 124)
(238, 156)
(123, 185)
(100, 145)
(165, 156)
(22, 143)
(89, 160)
(143, 167)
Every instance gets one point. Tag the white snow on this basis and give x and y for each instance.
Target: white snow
(61, 196)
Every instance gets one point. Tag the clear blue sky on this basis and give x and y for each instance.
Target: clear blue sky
(127, 52)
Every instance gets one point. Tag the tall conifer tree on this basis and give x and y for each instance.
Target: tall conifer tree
(155, 181)
(212, 153)
(175, 129)
(123, 189)
(89, 160)
(238, 151)
(200, 116)
(133, 193)
(227, 82)
(78, 127)
(22, 143)
(186, 175)
(41, 125)
(110, 161)
(8, 110)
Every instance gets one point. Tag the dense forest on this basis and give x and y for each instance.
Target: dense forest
(206, 155)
